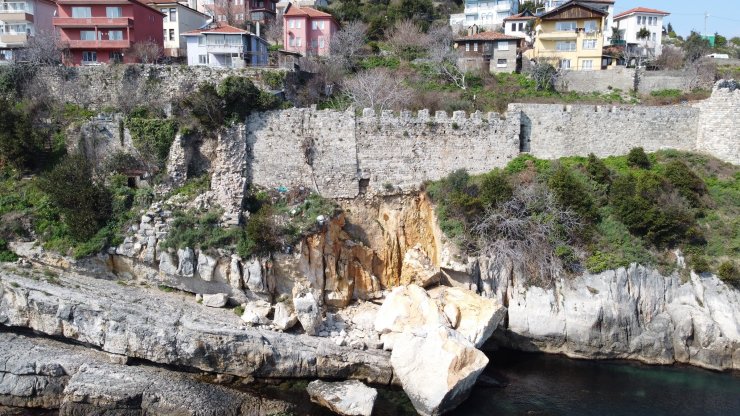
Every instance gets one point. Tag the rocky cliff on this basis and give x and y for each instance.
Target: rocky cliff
(634, 313)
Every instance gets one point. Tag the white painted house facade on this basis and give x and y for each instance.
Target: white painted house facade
(632, 21)
(225, 46)
(178, 19)
(486, 14)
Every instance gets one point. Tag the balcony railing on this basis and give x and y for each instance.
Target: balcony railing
(13, 38)
(17, 17)
(99, 44)
(93, 21)
(15, 7)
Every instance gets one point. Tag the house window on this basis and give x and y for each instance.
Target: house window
(298, 42)
(475, 46)
(166, 18)
(521, 27)
(314, 25)
(115, 35)
(565, 64)
(588, 65)
(81, 12)
(87, 35)
(115, 57)
(203, 59)
(321, 42)
(172, 34)
(291, 24)
(654, 36)
(502, 46)
(173, 15)
(565, 26)
(314, 43)
(297, 24)
(591, 26)
(201, 40)
(112, 12)
(565, 46)
(589, 43)
(467, 47)
(501, 63)
(89, 56)
(513, 27)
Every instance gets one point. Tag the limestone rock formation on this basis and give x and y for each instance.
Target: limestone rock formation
(308, 311)
(169, 328)
(256, 312)
(437, 368)
(47, 374)
(217, 300)
(283, 318)
(473, 316)
(406, 308)
(633, 313)
(351, 398)
(418, 269)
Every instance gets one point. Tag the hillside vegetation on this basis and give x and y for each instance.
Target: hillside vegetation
(593, 214)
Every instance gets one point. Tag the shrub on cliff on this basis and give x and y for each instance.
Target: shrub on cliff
(152, 136)
(686, 182)
(729, 273)
(495, 188)
(637, 158)
(20, 144)
(572, 193)
(85, 204)
(597, 170)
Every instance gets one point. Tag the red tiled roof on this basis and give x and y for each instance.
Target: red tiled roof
(222, 28)
(641, 10)
(488, 36)
(520, 17)
(306, 11)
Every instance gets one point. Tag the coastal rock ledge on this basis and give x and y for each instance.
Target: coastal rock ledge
(172, 329)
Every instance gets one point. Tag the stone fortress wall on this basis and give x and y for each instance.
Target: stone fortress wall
(343, 154)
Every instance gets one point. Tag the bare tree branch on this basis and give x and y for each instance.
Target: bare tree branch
(147, 52)
(377, 88)
(347, 44)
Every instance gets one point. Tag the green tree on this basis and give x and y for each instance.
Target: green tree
(572, 193)
(695, 47)
(598, 170)
(19, 141)
(530, 5)
(637, 158)
(84, 203)
(495, 188)
(240, 97)
(719, 40)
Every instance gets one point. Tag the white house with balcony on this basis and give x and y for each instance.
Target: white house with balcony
(225, 46)
(632, 21)
(488, 14)
(20, 20)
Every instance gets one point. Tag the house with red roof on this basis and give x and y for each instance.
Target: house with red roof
(106, 31)
(222, 45)
(632, 21)
(488, 51)
(308, 31)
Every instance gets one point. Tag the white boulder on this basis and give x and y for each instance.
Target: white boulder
(284, 318)
(308, 311)
(472, 315)
(408, 307)
(350, 397)
(256, 312)
(437, 368)
(417, 268)
(217, 300)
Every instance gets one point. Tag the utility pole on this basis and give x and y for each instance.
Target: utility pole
(706, 16)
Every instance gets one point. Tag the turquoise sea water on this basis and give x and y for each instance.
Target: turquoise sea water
(539, 384)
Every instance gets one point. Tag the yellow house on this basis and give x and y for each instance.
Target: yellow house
(571, 37)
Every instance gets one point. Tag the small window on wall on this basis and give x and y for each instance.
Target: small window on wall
(565, 64)
(87, 35)
(115, 35)
(467, 47)
(173, 15)
(589, 44)
(588, 65)
(172, 34)
(475, 46)
(503, 46)
(203, 59)
(201, 40)
(501, 63)
(89, 56)
(112, 12)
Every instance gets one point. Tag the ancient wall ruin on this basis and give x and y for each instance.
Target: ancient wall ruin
(341, 154)
(551, 131)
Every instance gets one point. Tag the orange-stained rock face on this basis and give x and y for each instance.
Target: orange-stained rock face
(361, 251)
